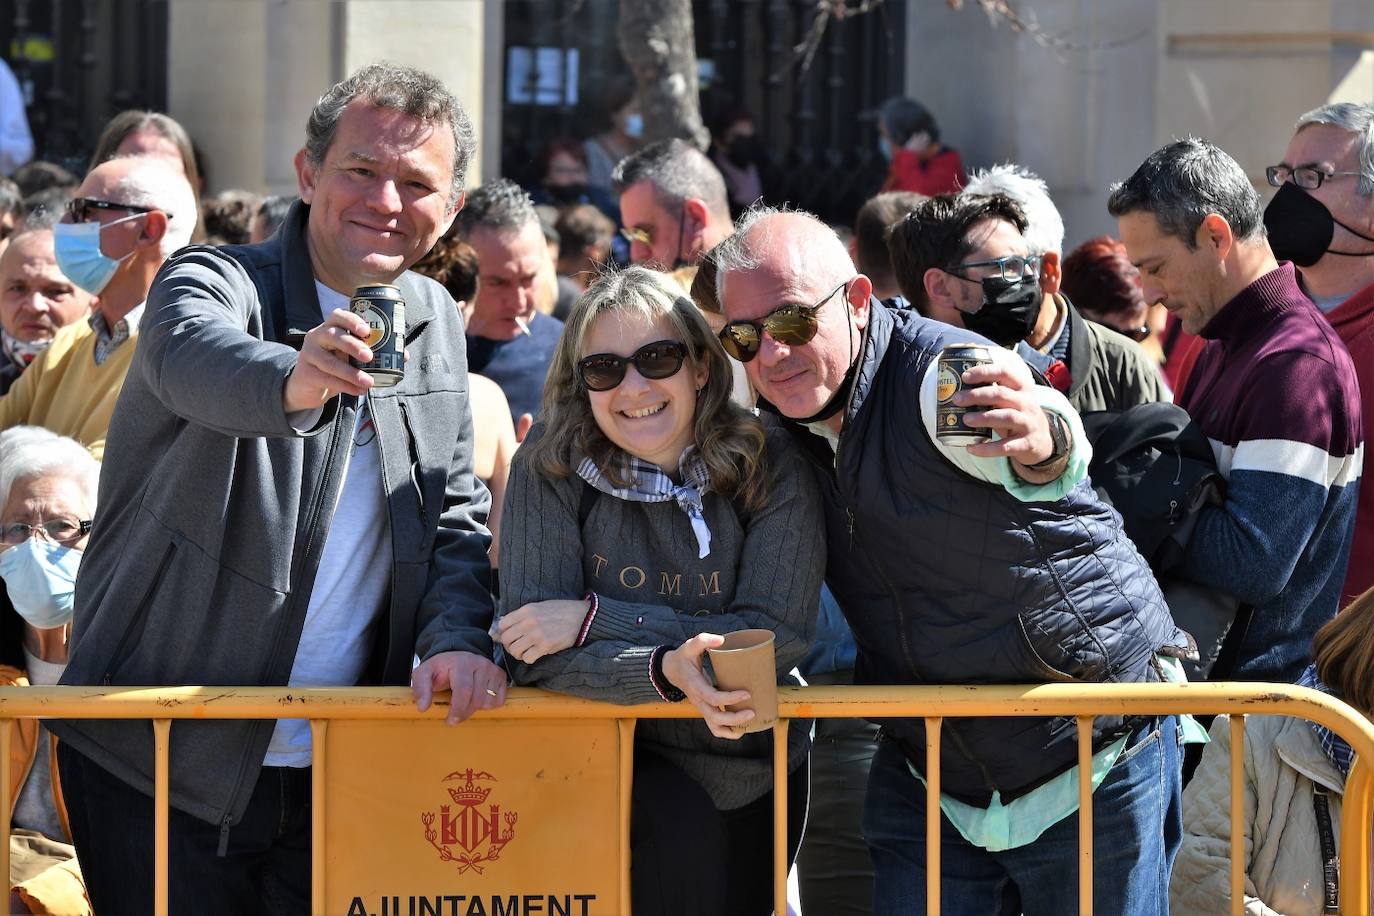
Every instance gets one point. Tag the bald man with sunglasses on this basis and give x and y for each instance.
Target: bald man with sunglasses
(987, 563)
(128, 215)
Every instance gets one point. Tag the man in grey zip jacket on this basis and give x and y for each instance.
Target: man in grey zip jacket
(270, 516)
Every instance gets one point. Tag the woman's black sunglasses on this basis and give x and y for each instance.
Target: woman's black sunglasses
(793, 325)
(658, 360)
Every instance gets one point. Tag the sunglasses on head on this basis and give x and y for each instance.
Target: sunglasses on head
(658, 360)
(793, 325)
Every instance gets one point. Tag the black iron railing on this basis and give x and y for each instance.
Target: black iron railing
(79, 62)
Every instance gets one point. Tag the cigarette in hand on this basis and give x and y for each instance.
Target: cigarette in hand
(523, 325)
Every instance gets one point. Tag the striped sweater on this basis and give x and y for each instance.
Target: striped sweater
(1354, 321)
(1275, 391)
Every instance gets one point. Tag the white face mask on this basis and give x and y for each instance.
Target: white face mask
(77, 246)
(40, 577)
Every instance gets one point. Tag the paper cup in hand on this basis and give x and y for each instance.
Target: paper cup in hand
(745, 662)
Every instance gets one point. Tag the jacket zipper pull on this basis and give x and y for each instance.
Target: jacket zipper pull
(223, 838)
(850, 512)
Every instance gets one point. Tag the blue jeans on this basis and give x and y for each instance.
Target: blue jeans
(1137, 828)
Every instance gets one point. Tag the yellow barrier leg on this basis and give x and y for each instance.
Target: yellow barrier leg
(1356, 810)
(162, 733)
(933, 815)
(1237, 814)
(319, 732)
(626, 728)
(1085, 815)
(780, 816)
(6, 733)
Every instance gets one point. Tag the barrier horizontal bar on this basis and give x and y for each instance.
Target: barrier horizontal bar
(1000, 701)
(988, 700)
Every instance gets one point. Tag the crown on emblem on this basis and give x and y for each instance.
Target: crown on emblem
(470, 795)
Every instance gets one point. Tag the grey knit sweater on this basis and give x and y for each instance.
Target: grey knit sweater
(641, 559)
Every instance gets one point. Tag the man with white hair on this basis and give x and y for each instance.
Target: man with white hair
(1322, 219)
(1105, 369)
(126, 218)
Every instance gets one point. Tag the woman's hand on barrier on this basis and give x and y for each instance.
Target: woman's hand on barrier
(475, 681)
(682, 666)
(541, 628)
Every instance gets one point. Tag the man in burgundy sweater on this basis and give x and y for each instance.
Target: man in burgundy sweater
(1322, 219)
(1274, 390)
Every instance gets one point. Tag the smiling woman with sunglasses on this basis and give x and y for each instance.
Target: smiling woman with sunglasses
(644, 516)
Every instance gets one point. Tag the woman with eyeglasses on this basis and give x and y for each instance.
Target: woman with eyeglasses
(47, 500)
(646, 515)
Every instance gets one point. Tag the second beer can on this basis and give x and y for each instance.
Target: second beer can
(382, 307)
(950, 427)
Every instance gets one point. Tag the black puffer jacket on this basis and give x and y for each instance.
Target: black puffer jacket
(950, 580)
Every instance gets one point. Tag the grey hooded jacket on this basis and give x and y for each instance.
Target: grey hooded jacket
(213, 510)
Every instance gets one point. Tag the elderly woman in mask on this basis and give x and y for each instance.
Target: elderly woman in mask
(47, 501)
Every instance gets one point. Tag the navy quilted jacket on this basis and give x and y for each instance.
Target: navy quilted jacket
(950, 580)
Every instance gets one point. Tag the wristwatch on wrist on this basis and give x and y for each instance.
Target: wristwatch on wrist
(1059, 435)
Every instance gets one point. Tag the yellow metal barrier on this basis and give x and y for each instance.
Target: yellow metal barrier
(933, 704)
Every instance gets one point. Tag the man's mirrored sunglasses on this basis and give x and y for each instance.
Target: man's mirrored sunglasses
(79, 208)
(793, 325)
(658, 360)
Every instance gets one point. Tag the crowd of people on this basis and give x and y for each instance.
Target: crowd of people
(640, 363)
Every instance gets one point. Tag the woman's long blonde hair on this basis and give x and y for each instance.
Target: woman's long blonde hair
(729, 438)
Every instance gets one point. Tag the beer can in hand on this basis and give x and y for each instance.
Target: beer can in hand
(382, 307)
(950, 427)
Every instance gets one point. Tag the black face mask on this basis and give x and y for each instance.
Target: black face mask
(743, 151)
(1009, 310)
(1301, 228)
(565, 194)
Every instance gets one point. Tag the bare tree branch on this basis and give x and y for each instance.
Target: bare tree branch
(999, 12)
(1003, 12)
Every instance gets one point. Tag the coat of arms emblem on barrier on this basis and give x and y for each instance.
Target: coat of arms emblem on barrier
(469, 837)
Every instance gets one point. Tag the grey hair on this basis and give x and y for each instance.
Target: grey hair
(400, 88)
(32, 451)
(158, 182)
(1358, 119)
(500, 205)
(1044, 232)
(1184, 182)
(739, 252)
(676, 170)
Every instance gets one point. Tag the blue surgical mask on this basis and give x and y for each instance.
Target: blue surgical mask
(634, 125)
(40, 577)
(77, 246)
(885, 147)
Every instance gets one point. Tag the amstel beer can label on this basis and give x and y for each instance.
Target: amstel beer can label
(950, 427)
(382, 307)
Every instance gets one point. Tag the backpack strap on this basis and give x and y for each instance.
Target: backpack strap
(1331, 865)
